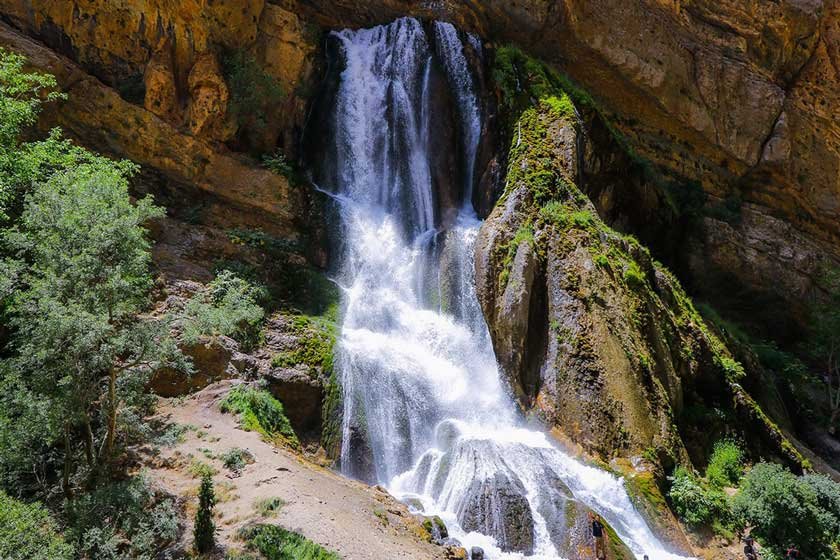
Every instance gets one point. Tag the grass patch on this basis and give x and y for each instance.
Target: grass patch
(277, 543)
(199, 469)
(268, 507)
(260, 412)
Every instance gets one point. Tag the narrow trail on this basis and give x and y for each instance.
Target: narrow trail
(356, 521)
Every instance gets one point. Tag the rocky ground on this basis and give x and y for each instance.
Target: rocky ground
(356, 521)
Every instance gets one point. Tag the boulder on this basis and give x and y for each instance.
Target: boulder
(211, 357)
(497, 506)
(476, 553)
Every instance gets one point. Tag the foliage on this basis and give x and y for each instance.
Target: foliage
(726, 465)
(277, 543)
(126, 519)
(236, 458)
(227, 307)
(260, 412)
(204, 531)
(27, 532)
(785, 509)
(81, 350)
(633, 275)
(268, 507)
(693, 502)
(21, 97)
(824, 340)
(252, 90)
(278, 163)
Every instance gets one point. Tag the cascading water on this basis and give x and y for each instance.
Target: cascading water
(424, 407)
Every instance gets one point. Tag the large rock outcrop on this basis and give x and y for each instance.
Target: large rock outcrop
(592, 334)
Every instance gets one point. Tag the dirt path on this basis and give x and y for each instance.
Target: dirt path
(352, 519)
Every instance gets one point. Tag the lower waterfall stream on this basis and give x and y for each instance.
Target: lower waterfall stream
(425, 412)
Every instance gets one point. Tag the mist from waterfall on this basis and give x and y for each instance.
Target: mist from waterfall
(424, 406)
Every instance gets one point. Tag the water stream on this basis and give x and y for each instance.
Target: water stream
(425, 412)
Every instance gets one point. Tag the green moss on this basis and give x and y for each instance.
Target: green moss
(252, 90)
(260, 412)
(316, 338)
(633, 275)
(525, 234)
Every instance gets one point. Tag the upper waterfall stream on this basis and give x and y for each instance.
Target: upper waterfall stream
(425, 411)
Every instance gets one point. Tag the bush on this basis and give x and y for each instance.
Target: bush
(726, 464)
(126, 519)
(28, 533)
(252, 90)
(260, 412)
(228, 307)
(277, 543)
(204, 532)
(696, 505)
(785, 509)
(236, 459)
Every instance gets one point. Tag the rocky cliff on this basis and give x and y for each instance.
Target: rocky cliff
(738, 98)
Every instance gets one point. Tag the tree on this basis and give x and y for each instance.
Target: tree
(785, 509)
(205, 529)
(824, 341)
(21, 97)
(80, 260)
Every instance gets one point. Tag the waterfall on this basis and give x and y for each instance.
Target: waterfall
(425, 412)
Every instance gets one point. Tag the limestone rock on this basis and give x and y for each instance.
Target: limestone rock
(161, 96)
(209, 96)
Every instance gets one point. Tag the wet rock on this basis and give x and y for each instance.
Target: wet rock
(455, 553)
(360, 460)
(436, 528)
(476, 553)
(498, 507)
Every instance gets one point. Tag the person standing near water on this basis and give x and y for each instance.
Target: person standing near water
(598, 535)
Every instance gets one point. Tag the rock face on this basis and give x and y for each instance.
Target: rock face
(737, 96)
(592, 333)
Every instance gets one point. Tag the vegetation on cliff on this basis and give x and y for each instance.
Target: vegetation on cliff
(79, 343)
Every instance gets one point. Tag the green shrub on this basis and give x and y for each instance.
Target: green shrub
(726, 465)
(732, 369)
(697, 505)
(260, 412)
(277, 543)
(27, 532)
(252, 89)
(126, 519)
(204, 531)
(277, 163)
(227, 307)
(200, 469)
(785, 509)
(235, 459)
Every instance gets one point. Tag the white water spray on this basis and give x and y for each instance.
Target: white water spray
(424, 406)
